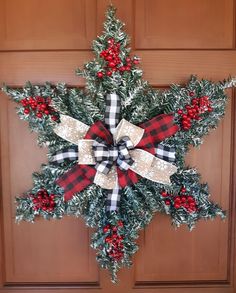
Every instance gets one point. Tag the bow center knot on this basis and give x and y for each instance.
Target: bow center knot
(106, 155)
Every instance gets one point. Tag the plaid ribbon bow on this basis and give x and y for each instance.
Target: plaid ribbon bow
(106, 153)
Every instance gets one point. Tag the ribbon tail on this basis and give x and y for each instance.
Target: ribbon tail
(156, 130)
(113, 199)
(127, 177)
(76, 179)
(67, 154)
(151, 167)
(71, 129)
(165, 153)
(112, 111)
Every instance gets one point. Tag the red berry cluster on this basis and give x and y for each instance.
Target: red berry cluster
(192, 112)
(114, 240)
(113, 60)
(43, 200)
(40, 106)
(181, 201)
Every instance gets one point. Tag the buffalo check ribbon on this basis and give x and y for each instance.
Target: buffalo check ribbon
(114, 156)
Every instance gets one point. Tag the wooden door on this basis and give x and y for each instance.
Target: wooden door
(46, 40)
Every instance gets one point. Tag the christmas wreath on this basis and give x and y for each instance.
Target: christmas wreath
(116, 148)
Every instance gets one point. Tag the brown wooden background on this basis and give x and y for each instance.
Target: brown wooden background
(46, 40)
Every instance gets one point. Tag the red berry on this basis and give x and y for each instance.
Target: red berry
(46, 112)
(109, 58)
(110, 41)
(167, 202)
(35, 208)
(120, 223)
(191, 94)
(176, 205)
(24, 102)
(164, 193)
(54, 118)
(26, 111)
(39, 115)
(184, 116)
(114, 229)
(114, 237)
(187, 107)
(183, 190)
(183, 199)
(43, 106)
(209, 109)
(105, 229)
(180, 111)
(177, 199)
(44, 208)
(111, 64)
(136, 61)
(190, 198)
(127, 68)
(100, 74)
(35, 200)
(109, 73)
(108, 239)
(192, 203)
(122, 68)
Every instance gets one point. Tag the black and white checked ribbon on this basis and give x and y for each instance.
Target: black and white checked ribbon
(165, 153)
(67, 154)
(113, 199)
(112, 118)
(112, 111)
(105, 155)
(70, 154)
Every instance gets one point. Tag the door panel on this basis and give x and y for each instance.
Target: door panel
(184, 24)
(47, 40)
(44, 25)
